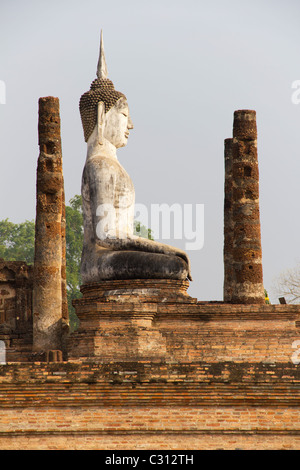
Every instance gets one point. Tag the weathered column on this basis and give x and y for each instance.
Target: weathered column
(228, 223)
(49, 290)
(243, 274)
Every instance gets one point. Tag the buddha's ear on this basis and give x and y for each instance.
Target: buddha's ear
(100, 121)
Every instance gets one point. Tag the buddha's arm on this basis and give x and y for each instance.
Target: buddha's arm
(98, 190)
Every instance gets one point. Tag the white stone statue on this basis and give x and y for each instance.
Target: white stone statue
(110, 248)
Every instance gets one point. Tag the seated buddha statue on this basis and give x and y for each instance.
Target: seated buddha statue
(111, 250)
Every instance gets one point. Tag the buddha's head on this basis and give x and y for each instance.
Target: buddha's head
(105, 107)
(117, 123)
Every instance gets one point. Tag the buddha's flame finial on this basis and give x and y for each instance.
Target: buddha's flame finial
(101, 67)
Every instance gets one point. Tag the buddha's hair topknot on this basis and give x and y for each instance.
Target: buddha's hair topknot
(102, 89)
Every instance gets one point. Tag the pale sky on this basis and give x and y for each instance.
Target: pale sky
(185, 67)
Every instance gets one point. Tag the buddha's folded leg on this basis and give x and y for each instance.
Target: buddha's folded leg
(133, 265)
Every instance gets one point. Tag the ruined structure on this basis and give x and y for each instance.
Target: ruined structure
(49, 284)
(150, 367)
(16, 282)
(243, 274)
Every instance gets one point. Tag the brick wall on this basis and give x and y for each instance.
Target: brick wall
(81, 405)
(230, 333)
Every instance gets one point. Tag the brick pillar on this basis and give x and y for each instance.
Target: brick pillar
(228, 223)
(49, 291)
(243, 274)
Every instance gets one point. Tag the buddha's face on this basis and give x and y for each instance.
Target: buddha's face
(117, 124)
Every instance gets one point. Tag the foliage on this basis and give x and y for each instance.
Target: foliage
(142, 231)
(17, 244)
(17, 241)
(74, 241)
(267, 300)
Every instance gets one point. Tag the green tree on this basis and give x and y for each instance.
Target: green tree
(74, 241)
(17, 244)
(17, 241)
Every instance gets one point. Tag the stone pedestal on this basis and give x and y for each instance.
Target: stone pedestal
(117, 319)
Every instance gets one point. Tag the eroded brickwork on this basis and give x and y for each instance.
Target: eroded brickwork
(16, 278)
(158, 320)
(243, 274)
(79, 405)
(49, 290)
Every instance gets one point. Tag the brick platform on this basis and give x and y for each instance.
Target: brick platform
(158, 320)
(161, 371)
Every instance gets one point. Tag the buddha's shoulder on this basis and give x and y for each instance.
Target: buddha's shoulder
(102, 163)
(103, 167)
